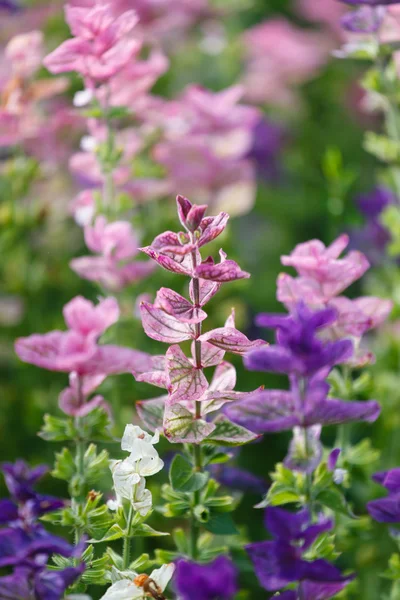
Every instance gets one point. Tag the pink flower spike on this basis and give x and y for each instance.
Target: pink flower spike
(226, 270)
(83, 317)
(176, 305)
(162, 327)
(291, 290)
(230, 340)
(187, 383)
(356, 317)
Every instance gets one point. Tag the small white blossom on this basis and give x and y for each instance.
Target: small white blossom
(132, 589)
(83, 98)
(339, 475)
(88, 143)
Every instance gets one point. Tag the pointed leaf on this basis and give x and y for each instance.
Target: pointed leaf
(221, 524)
(153, 372)
(186, 381)
(183, 478)
(114, 533)
(162, 327)
(227, 433)
(230, 340)
(180, 426)
(207, 289)
(151, 412)
(176, 305)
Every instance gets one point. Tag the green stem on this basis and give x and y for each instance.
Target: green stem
(309, 480)
(79, 497)
(127, 540)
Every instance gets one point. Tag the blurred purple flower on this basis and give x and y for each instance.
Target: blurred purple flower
(373, 238)
(213, 581)
(280, 562)
(366, 19)
(267, 142)
(10, 6)
(387, 510)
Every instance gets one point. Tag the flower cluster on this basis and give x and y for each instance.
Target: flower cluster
(387, 510)
(322, 277)
(307, 360)
(284, 560)
(25, 546)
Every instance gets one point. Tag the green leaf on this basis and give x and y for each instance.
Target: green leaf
(362, 454)
(114, 533)
(57, 430)
(221, 524)
(334, 499)
(64, 467)
(382, 147)
(227, 433)
(145, 530)
(181, 426)
(182, 477)
(95, 465)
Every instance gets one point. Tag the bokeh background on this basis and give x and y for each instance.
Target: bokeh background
(310, 168)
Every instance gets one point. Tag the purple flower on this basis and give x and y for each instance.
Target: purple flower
(270, 411)
(30, 584)
(9, 5)
(373, 237)
(280, 562)
(371, 2)
(387, 510)
(213, 581)
(266, 145)
(26, 505)
(366, 19)
(298, 349)
(239, 479)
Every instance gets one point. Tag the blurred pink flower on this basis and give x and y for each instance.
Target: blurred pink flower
(74, 400)
(101, 46)
(115, 243)
(279, 57)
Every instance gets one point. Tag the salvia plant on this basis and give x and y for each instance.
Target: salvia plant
(150, 502)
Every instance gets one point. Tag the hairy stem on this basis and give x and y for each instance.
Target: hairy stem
(127, 540)
(78, 493)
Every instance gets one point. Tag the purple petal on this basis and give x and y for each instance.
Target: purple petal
(267, 411)
(275, 563)
(333, 459)
(285, 525)
(385, 510)
(335, 412)
(389, 479)
(226, 270)
(212, 227)
(313, 590)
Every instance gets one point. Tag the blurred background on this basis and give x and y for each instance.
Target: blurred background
(299, 176)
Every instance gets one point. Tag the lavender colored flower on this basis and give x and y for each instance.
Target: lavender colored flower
(373, 238)
(298, 349)
(26, 505)
(280, 562)
(371, 2)
(239, 479)
(366, 19)
(9, 5)
(213, 581)
(266, 145)
(387, 510)
(41, 583)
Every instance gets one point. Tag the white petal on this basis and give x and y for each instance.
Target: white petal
(149, 466)
(163, 575)
(83, 98)
(133, 433)
(125, 477)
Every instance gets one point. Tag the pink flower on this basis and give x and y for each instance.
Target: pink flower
(76, 350)
(115, 243)
(101, 46)
(74, 400)
(279, 57)
(83, 207)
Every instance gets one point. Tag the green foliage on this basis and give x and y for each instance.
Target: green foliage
(183, 478)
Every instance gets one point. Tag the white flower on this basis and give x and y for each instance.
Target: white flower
(114, 504)
(135, 440)
(83, 98)
(142, 500)
(126, 589)
(88, 143)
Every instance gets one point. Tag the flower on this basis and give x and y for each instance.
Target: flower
(387, 510)
(76, 350)
(298, 349)
(101, 46)
(129, 474)
(373, 237)
(280, 562)
(139, 586)
(213, 581)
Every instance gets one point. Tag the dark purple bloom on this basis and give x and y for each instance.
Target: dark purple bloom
(27, 584)
(373, 203)
(239, 479)
(9, 5)
(213, 581)
(20, 478)
(333, 459)
(312, 590)
(366, 19)
(387, 510)
(373, 237)
(270, 411)
(280, 562)
(298, 349)
(266, 145)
